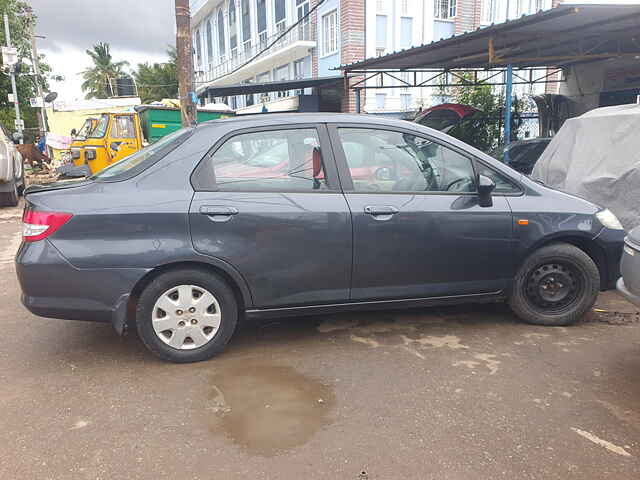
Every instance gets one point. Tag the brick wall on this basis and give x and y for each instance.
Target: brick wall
(352, 38)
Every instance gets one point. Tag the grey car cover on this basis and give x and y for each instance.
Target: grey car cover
(597, 156)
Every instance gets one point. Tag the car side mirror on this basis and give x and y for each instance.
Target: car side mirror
(485, 189)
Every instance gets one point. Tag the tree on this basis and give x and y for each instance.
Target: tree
(21, 22)
(99, 79)
(483, 130)
(159, 80)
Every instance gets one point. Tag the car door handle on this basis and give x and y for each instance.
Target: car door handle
(384, 210)
(211, 210)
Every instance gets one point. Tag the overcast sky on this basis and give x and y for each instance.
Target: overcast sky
(138, 31)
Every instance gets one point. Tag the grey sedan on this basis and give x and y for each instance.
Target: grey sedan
(292, 214)
(629, 283)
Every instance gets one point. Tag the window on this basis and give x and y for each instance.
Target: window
(381, 31)
(262, 23)
(380, 51)
(405, 101)
(198, 50)
(209, 42)
(233, 27)
(246, 21)
(101, 127)
(330, 33)
(280, 160)
(390, 161)
(122, 127)
(406, 32)
(221, 48)
(379, 5)
(445, 9)
(302, 7)
(539, 5)
(380, 100)
(488, 13)
(503, 184)
(280, 10)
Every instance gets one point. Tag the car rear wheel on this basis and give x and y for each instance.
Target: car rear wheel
(186, 315)
(556, 285)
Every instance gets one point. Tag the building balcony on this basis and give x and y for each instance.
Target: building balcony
(294, 45)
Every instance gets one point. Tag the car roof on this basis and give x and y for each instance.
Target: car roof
(260, 119)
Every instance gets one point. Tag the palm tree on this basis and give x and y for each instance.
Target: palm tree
(98, 79)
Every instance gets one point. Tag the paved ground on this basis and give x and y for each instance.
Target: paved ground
(431, 394)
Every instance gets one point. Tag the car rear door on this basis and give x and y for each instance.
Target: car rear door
(268, 202)
(417, 227)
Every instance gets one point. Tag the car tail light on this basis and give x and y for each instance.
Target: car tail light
(39, 225)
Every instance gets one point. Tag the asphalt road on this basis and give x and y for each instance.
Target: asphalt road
(459, 393)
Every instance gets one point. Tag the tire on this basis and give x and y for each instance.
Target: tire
(163, 294)
(555, 286)
(10, 198)
(23, 184)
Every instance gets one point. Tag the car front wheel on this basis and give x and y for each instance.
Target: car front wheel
(186, 315)
(556, 285)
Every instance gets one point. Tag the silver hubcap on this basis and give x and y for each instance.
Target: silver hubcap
(186, 317)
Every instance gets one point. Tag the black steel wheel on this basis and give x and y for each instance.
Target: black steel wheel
(556, 285)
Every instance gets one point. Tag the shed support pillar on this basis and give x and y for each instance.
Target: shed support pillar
(507, 110)
(358, 100)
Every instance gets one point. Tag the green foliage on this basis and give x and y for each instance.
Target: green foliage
(99, 78)
(159, 80)
(483, 130)
(21, 21)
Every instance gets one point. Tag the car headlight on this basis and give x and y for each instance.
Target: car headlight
(607, 218)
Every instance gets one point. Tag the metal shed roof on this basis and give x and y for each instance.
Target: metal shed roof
(263, 87)
(560, 36)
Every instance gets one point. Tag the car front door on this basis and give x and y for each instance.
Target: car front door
(418, 229)
(268, 202)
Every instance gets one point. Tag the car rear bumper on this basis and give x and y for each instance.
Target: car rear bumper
(622, 288)
(629, 284)
(52, 287)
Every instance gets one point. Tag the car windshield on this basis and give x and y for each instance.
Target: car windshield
(101, 127)
(147, 154)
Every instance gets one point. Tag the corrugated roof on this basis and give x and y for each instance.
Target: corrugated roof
(263, 87)
(555, 37)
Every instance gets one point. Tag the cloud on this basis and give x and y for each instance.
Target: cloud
(145, 26)
(137, 30)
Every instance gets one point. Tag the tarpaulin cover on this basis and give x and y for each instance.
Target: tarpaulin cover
(597, 157)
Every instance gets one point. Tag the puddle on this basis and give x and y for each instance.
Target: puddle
(267, 409)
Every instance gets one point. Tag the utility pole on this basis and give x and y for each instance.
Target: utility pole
(7, 34)
(42, 120)
(185, 62)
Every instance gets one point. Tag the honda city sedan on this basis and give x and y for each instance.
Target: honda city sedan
(294, 214)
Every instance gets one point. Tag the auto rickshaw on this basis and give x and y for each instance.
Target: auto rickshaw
(115, 136)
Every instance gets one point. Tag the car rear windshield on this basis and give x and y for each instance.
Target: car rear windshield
(143, 158)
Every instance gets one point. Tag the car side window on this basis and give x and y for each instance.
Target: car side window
(392, 161)
(274, 160)
(503, 184)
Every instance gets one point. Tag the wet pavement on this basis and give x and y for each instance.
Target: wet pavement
(455, 393)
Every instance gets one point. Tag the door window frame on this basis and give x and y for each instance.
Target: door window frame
(203, 177)
(345, 175)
